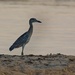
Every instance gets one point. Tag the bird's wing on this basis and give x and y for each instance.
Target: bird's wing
(21, 40)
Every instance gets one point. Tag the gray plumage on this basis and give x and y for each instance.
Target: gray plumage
(24, 38)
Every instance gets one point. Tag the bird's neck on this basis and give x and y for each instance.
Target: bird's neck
(30, 28)
(30, 23)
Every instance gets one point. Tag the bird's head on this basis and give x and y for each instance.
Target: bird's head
(32, 20)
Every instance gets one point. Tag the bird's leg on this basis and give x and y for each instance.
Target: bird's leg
(22, 50)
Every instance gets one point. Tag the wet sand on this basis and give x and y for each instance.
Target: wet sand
(53, 64)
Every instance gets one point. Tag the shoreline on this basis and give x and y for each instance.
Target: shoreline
(55, 64)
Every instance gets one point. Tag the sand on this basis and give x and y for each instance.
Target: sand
(53, 64)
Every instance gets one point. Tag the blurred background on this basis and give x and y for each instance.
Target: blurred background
(56, 33)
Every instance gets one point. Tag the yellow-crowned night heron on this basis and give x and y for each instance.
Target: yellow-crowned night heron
(24, 38)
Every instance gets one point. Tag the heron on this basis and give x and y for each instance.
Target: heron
(24, 38)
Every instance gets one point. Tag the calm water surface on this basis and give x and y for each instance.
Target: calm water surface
(56, 33)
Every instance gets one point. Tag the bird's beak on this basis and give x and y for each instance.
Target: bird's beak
(39, 21)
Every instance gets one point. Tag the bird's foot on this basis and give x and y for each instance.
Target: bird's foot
(22, 54)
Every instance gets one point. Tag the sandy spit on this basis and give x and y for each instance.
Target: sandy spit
(53, 64)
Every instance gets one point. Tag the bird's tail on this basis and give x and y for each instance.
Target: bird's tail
(11, 48)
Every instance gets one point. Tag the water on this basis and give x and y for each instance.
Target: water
(56, 33)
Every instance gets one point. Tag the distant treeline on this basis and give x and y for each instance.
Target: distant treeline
(63, 0)
(42, 0)
(14, 0)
